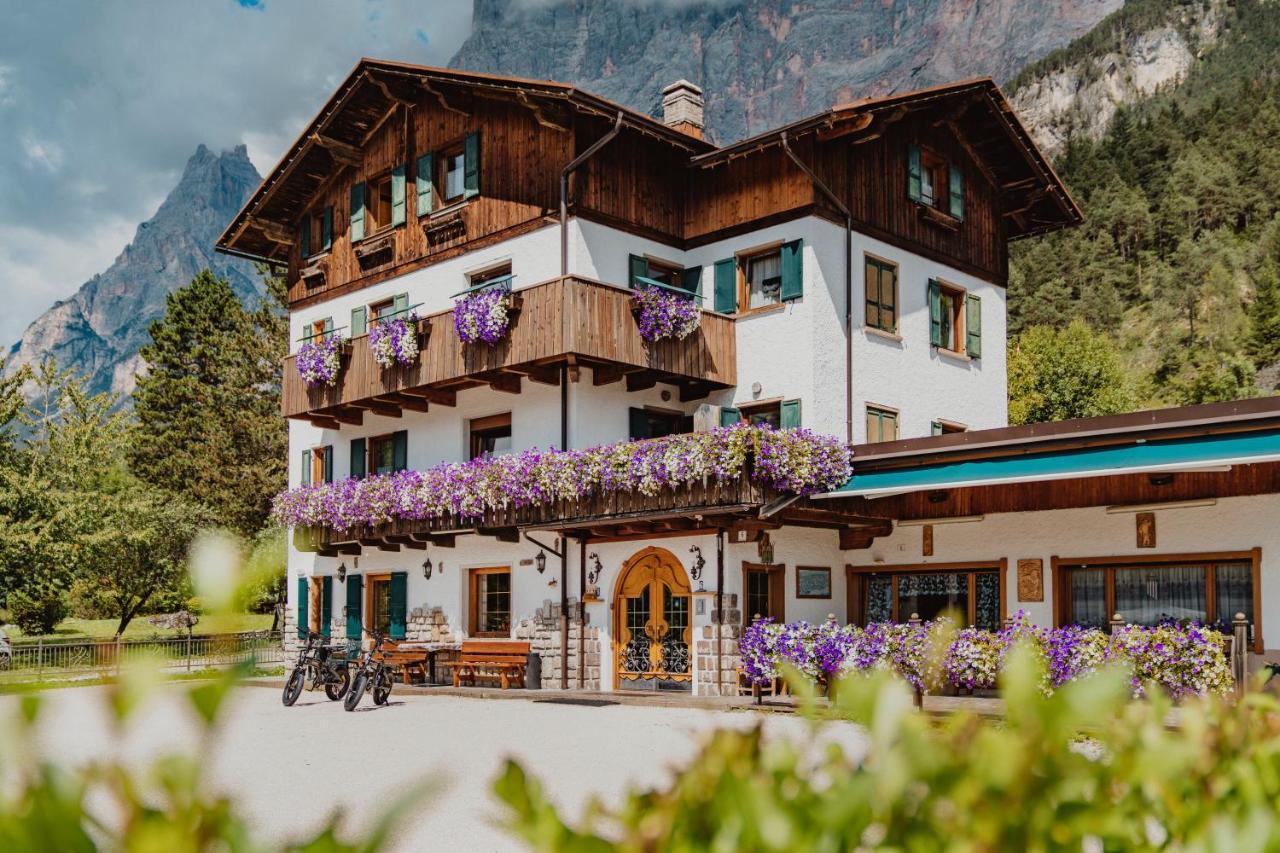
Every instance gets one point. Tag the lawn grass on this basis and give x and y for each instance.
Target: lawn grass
(39, 686)
(141, 629)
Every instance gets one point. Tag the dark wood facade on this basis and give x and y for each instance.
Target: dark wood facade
(570, 322)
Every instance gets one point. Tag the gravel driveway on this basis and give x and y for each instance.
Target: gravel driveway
(288, 767)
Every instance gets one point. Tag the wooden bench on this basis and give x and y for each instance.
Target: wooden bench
(480, 659)
(408, 661)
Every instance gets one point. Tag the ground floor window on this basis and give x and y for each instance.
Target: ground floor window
(1205, 589)
(763, 592)
(378, 606)
(491, 602)
(974, 592)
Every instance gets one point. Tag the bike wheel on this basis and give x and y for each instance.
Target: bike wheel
(357, 690)
(382, 688)
(336, 691)
(293, 687)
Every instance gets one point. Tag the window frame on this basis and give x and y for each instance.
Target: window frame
(1060, 569)
(773, 404)
(368, 617)
(938, 168)
(372, 187)
(372, 442)
(959, 332)
(473, 610)
(881, 265)
(855, 587)
(442, 155)
(375, 311)
(478, 427)
(317, 462)
(683, 423)
(488, 274)
(949, 427)
(674, 272)
(742, 264)
(776, 575)
(883, 411)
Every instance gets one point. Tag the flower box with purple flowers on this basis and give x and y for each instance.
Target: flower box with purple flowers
(661, 313)
(318, 362)
(396, 340)
(485, 316)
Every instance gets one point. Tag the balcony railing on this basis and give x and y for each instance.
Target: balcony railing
(566, 321)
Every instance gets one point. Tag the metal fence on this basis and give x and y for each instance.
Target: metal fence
(69, 658)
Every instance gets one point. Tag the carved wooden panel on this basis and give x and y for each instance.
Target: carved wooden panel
(1031, 580)
(1146, 522)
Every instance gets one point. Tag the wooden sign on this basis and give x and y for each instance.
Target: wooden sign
(1031, 580)
(1146, 529)
(926, 543)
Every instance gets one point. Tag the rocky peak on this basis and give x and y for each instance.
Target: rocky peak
(99, 330)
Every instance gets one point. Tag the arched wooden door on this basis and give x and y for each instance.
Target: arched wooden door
(652, 628)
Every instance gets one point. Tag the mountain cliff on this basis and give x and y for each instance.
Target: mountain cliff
(98, 331)
(763, 63)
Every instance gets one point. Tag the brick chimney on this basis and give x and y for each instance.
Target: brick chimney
(682, 107)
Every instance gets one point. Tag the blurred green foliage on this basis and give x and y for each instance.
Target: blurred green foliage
(1084, 769)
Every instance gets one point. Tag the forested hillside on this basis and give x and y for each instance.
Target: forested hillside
(1179, 258)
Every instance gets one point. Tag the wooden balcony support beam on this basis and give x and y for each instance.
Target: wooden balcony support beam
(607, 374)
(548, 374)
(502, 534)
(407, 542)
(690, 391)
(439, 396)
(413, 404)
(641, 381)
(348, 415)
(507, 383)
(323, 422)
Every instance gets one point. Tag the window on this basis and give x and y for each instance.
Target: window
(777, 414)
(976, 593)
(882, 295)
(935, 184)
(942, 427)
(453, 170)
(763, 592)
(882, 424)
(762, 280)
(378, 204)
(1206, 589)
(649, 422)
(955, 319)
(387, 453)
(378, 592)
(381, 310)
(764, 414)
(321, 462)
(490, 602)
(490, 436)
(492, 275)
(320, 329)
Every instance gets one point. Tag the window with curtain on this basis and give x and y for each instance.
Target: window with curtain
(764, 280)
(972, 595)
(491, 602)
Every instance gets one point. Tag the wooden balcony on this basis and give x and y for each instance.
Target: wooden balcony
(563, 323)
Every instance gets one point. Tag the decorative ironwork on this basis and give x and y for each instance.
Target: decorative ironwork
(635, 654)
(593, 574)
(675, 649)
(879, 599)
(698, 563)
(987, 604)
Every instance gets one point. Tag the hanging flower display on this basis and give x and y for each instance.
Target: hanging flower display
(394, 341)
(483, 315)
(800, 462)
(1182, 661)
(319, 361)
(662, 314)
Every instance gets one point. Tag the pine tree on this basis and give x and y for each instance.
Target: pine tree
(208, 423)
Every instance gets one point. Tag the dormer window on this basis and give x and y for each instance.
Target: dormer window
(934, 182)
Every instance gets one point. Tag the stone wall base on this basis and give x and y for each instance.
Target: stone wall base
(542, 631)
(708, 680)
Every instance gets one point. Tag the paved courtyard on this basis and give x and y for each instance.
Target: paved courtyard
(289, 767)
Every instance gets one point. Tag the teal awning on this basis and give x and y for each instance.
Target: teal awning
(1182, 454)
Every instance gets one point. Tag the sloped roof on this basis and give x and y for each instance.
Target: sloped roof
(358, 106)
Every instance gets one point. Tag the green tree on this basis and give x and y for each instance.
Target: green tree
(1264, 316)
(1068, 373)
(208, 423)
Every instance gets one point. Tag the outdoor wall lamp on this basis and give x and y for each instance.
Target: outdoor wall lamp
(698, 562)
(540, 561)
(426, 568)
(342, 572)
(593, 574)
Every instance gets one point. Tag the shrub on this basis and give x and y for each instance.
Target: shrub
(88, 598)
(37, 612)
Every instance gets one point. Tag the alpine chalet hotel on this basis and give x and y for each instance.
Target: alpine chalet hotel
(843, 276)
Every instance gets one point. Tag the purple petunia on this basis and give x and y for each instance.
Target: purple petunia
(483, 315)
(662, 314)
(394, 341)
(318, 362)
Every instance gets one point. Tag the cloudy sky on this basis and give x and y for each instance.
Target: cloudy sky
(101, 104)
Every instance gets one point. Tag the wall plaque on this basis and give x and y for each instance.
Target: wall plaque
(1031, 580)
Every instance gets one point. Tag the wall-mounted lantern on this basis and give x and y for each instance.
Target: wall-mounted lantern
(540, 561)
(426, 568)
(342, 572)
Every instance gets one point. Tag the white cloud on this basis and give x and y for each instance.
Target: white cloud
(7, 95)
(46, 155)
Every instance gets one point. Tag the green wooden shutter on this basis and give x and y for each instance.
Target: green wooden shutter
(973, 326)
(935, 428)
(789, 414)
(638, 421)
(471, 166)
(355, 604)
(399, 604)
(358, 458)
(935, 313)
(726, 299)
(326, 230)
(328, 327)
(400, 450)
(397, 196)
(306, 467)
(304, 237)
(792, 270)
(691, 278)
(424, 183)
(956, 187)
(915, 190)
(326, 605)
(357, 212)
(328, 463)
(729, 416)
(359, 321)
(302, 608)
(637, 265)
(401, 304)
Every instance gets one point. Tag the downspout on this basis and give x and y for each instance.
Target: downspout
(848, 283)
(582, 612)
(564, 614)
(719, 610)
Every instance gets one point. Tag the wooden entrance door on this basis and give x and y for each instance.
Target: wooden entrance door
(652, 628)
